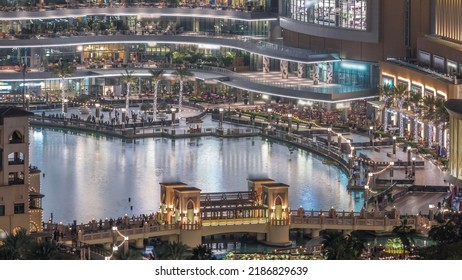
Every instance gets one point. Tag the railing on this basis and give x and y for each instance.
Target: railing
(140, 129)
(234, 222)
(452, 79)
(145, 230)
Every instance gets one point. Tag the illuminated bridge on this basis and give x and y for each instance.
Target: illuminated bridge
(187, 215)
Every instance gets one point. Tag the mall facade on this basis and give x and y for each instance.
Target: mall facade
(339, 51)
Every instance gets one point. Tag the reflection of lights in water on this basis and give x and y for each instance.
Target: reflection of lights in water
(103, 172)
(38, 135)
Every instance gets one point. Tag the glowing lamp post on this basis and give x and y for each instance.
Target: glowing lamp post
(366, 195)
(27, 101)
(371, 134)
(173, 116)
(408, 158)
(97, 108)
(289, 123)
(391, 172)
(220, 123)
(431, 208)
(394, 146)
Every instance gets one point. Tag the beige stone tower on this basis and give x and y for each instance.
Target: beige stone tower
(20, 198)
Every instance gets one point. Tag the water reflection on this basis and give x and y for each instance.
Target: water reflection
(90, 176)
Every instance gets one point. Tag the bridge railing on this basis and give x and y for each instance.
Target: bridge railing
(234, 222)
(105, 234)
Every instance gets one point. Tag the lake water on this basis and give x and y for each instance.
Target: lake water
(89, 176)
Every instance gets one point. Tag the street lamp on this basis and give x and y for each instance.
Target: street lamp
(220, 123)
(97, 105)
(366, 195)
(65, 107)
(350, 164)
(270, 119)
(391, 173)
(173, 115)
(371, 141)
(27, 101)
(430, 212)
(289, 123)
(394, 146)
(408, 158)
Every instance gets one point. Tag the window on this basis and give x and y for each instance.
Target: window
(19, 208)
(2, 210)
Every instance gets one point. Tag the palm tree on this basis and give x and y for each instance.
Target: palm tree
(440, 118)
(172, 251)
(128, 79)
(387, 97)
(156, 76)
(429, 114)
(181, 73)
(338, 246)
(63, 69)
(414, 101)
(42, 251)
(15, 245)
(201, 252)
(130, 255)
(406, 234)
(400, 94)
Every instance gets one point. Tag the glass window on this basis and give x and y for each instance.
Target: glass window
(338, 13)
(19, 208)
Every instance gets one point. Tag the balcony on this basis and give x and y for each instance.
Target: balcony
(16, 181)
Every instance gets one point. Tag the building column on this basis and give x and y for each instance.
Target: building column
(315, 74)
(284, 69)
(301, 70)
(315, 233)
(139, 243)
(329, 73)
(266, 64)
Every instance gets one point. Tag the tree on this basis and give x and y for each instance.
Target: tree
(434, 112)
(128, 79)
(386, 96)
(130, 255)
(338, 246)
(172, 251)
(63, 69)
(414, 101)
(201, 252)
(156, 77)
(181, 73)
(440, 118)
(406, 234)
(400, 94)
(15, 245)
(42, 251)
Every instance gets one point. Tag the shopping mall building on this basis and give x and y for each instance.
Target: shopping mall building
(330, 52)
